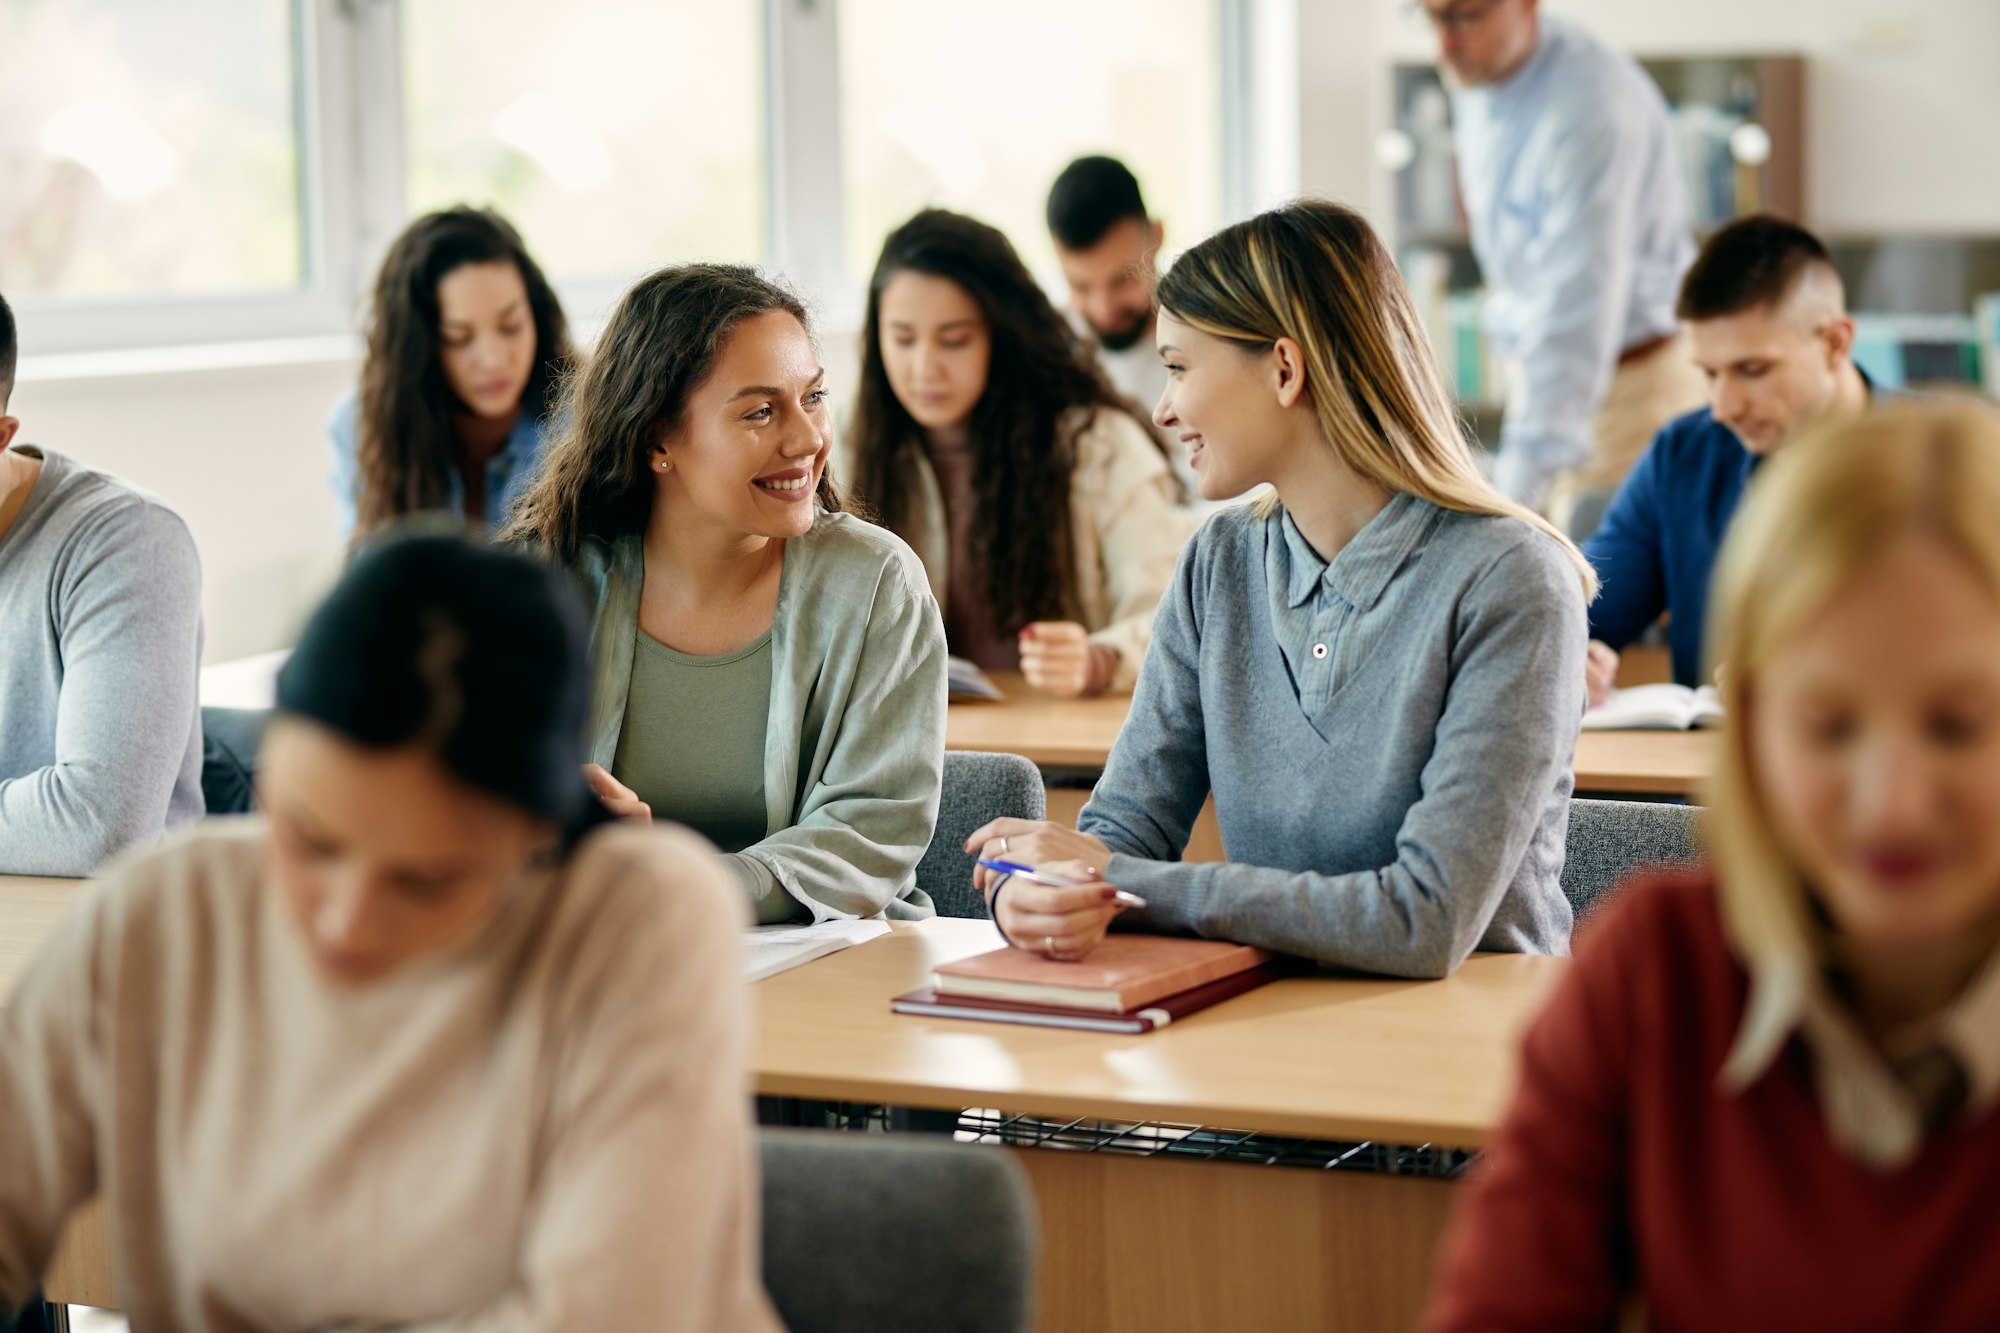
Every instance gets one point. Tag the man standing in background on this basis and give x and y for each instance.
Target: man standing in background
(1567, 165)
(1109, 248)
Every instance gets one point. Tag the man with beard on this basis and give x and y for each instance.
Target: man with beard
(1109, 247)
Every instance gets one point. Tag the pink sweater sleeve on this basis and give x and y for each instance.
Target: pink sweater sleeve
(1541, 1238)
(645, 1212)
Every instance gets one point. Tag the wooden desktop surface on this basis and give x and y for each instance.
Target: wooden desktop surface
(1078, 733)
(28, 910)
(1411, 1062)
(1315, 1057)
(1419, 1062)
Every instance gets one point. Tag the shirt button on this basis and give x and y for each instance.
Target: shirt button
(1319, 650)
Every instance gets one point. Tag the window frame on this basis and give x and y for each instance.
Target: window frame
(348, 95)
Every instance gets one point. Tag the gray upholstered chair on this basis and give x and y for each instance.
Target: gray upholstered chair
(230, 737)
(1610, 839)
(977, 787)
(867, 1233)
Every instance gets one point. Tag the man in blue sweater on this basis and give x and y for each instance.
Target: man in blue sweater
(1768, 325)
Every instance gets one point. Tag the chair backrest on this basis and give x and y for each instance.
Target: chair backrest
(229, 740)
(866, 1233)
(1610, 839)
(977, 787)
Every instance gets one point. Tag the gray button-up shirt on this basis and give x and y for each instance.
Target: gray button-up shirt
(1390, 805)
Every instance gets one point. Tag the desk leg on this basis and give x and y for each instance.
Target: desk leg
(1152, 1245)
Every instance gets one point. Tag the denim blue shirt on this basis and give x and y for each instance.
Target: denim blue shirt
(1579, 221)
(507, 472)
(1657, 547)
(1388, 738)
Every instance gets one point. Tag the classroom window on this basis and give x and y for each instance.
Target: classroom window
(618, 135)
(142, 154)
(977, 107)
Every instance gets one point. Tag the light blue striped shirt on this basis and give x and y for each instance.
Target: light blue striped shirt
(1580, 225)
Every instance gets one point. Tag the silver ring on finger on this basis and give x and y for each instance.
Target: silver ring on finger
(1049, 945)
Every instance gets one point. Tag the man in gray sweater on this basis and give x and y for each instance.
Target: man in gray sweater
(100, 648)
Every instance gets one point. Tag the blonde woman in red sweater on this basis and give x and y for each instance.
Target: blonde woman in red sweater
(1764, 1095)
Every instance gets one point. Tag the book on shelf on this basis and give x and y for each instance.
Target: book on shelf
(1910, 351)
(1665, 707)
(1986, 321)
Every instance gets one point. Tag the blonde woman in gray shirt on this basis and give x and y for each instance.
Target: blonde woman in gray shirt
(769, 670)
(1366, 671)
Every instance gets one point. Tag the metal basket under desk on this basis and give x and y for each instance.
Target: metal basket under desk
(1205, 1143)
(1126, 1138)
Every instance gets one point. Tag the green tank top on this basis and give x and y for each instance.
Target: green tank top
(693, 742)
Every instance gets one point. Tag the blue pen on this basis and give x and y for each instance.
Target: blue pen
(1035, 876)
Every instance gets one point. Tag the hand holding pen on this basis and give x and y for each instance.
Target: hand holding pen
(1055, 901)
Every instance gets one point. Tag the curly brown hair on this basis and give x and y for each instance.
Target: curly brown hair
(659, 346)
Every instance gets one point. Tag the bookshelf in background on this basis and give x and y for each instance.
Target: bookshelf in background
(1927, 308)
(1740, 125)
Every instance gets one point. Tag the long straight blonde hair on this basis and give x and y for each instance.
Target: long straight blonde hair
(1316, 273)
(1820, 515)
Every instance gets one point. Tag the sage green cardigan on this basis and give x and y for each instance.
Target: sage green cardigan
(854, 752)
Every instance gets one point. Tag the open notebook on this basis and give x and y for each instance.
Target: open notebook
(1656, 708)
(769, 950)
(967, 681)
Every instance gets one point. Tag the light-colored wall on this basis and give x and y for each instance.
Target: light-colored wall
(1900, 96)
(1901, 104)
(241, 452)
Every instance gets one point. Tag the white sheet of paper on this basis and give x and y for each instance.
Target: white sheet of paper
(769, 950)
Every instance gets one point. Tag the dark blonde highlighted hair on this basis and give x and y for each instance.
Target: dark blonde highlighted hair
(1315, 272)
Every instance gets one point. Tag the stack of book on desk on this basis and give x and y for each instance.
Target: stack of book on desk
(1128, 983)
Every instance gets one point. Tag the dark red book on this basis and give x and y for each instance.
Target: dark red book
(928, 1003)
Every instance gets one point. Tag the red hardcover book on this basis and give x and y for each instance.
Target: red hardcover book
(929, 1003)
(1120, 974)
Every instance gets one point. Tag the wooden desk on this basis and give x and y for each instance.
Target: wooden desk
(1645, 763)
(1130, 1243)
(1147, 1243)
(1409, 1062)
(28, 910)
(1050, 732)
(1056, 733)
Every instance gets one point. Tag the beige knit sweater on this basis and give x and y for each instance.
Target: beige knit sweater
(547, 1129)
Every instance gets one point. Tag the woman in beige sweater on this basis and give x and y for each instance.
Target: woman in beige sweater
(422, 1046)
(983, 435)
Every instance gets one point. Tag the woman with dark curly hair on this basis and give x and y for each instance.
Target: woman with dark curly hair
(466, 343)
(1045, 514)
(768, 670)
